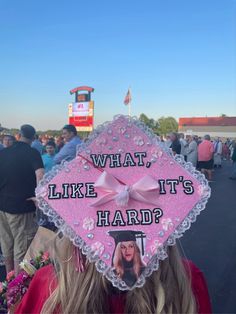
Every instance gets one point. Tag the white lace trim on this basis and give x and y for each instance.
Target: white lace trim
(153, 264)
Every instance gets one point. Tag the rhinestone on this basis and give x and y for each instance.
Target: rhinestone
(127, 135)
(171, 162)
(160, 154)
(67, 170)
(90, 235)
(76, 223)
(109, 243)
(109, 131)
(106, 256)
(153, 159)
(120, 150)
(88, 151)
(122, 130)
(86, 167)
(115, 139)
(161, 234)
(148, 255)
(110, 147)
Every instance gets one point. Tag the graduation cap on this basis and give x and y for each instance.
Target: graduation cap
(136, 155)
(128, 235)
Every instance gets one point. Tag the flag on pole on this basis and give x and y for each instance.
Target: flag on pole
(128, 97)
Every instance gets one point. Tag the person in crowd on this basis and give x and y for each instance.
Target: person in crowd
(205, 156)
(233, 157)
(184, 146)
(68, 151)
(59, 143)
(177, 287)
(167, 141)
(8, 140)
(37, 144)
(48, 157)
(71, 284)
(1, 147)
(218, 153)
(48, 162)
(162, 139)
(21, 167)
(198, 139)
(192, 151)
(175, 143)
(226, 151)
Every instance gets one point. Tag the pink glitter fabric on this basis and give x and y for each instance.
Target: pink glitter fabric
(128, 152)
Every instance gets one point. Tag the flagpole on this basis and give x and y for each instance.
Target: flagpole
(129, 105)
(130, 102)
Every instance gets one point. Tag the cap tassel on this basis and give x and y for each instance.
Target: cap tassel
(79, 260)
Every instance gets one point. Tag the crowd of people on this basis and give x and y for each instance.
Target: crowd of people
(204, 153)
(23, 161)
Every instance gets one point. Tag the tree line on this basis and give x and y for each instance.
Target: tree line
(161, 126)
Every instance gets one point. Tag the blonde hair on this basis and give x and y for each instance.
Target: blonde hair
(167, 290)
(118, 260)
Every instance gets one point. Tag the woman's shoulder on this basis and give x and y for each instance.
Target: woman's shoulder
(43, 282)
(199, 287)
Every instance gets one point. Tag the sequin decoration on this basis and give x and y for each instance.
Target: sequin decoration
(154, 152)
(97, 248)
(138, 140)
(86, 167)
(161, 233)
(76, 223)
(122, 130)
(90, 235)
(106, 256)
(115, 139)
(154, 247)
(88, 223)
(101, 141)
(167, 224)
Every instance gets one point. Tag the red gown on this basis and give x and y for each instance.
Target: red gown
(39, 291)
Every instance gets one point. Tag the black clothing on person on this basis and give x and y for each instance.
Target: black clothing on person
(18, 164)
(176, 147)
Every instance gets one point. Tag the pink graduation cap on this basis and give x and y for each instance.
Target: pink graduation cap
(123, 200)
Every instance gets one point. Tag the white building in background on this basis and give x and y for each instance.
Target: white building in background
(224, 127)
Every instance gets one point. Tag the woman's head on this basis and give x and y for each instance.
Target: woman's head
(167, 290)
(127, 250)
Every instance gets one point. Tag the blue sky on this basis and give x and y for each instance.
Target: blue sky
(178, 56)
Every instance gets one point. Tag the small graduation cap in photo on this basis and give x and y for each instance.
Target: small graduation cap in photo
(128, 235)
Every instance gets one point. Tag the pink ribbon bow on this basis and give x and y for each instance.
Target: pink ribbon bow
(146, 190)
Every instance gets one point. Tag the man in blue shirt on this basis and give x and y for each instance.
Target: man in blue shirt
(68, 151)
(37, 144)
(48, 157)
